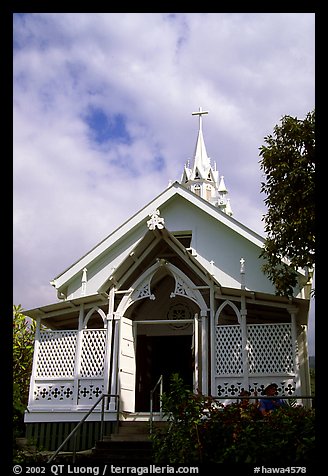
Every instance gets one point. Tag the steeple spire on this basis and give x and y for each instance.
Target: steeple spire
(201, 159)
(202, 178)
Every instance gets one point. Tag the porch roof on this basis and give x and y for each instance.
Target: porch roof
(301, 306)
(64, 314)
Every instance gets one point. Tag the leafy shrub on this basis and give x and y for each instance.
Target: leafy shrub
(203, 431)
(23, 347)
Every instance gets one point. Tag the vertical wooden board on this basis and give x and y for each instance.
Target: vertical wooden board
(127, 366)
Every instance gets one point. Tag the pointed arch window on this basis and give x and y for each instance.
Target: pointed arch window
(197, 190)
(208, 192)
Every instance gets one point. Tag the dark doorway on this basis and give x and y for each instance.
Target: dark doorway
(161, 355)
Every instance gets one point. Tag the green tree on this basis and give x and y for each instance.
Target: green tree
(23, 347)
(288, 161)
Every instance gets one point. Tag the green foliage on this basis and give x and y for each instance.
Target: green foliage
(204, 431)
(288, 161)
(23, 347)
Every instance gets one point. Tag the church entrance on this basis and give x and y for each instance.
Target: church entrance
(161, 355)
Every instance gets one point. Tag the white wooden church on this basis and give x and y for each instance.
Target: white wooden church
(178, 288)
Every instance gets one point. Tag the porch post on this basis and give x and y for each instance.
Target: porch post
(77, 365)
(243, 313)
(213, 352)
(196, 353)
(292, 311)
(108, 371)
(115, 325)
(204, 341)
(243, 324)
(211, 341)
(304, 368)
(35, 360)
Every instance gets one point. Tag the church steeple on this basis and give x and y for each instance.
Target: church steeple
(201, 178)
(201, 160)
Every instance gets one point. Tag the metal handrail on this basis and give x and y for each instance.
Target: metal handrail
(73, 432)
(151, 415)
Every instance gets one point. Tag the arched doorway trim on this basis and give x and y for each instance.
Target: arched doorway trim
(142, 288)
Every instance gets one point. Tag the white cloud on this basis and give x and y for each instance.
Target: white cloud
(153, 70)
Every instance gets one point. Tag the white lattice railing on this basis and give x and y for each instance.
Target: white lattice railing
(270, 358)
(270, 349)
(64, 376)
(93, 352)
(228, 350)
(56, 356)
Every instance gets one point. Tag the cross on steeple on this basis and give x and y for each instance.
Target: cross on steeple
(199, 113)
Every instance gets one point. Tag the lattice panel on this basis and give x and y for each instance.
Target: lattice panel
(93, 353)
(270, 348)
(56, 356)
(228, 347)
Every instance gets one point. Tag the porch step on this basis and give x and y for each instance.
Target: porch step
(131, 443)
(119, 452)
(128, 428)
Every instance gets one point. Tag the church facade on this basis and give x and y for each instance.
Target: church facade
(178, 288)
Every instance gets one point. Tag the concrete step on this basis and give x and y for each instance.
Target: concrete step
(130, 437)
(132, 427)
(134, 431)
(131, 443)
(115, 451)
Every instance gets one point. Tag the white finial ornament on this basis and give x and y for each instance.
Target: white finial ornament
(84, 281)
(242, 265)
(155, 220)
(242, 273)
(228, 208)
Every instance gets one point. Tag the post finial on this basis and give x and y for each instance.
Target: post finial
(242, 265)
(242, 273)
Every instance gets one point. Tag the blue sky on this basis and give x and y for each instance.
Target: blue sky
(102, 120)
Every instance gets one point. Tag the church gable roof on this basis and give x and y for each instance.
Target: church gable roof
(174, 191)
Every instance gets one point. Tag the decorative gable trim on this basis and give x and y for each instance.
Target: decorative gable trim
(142, 290)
